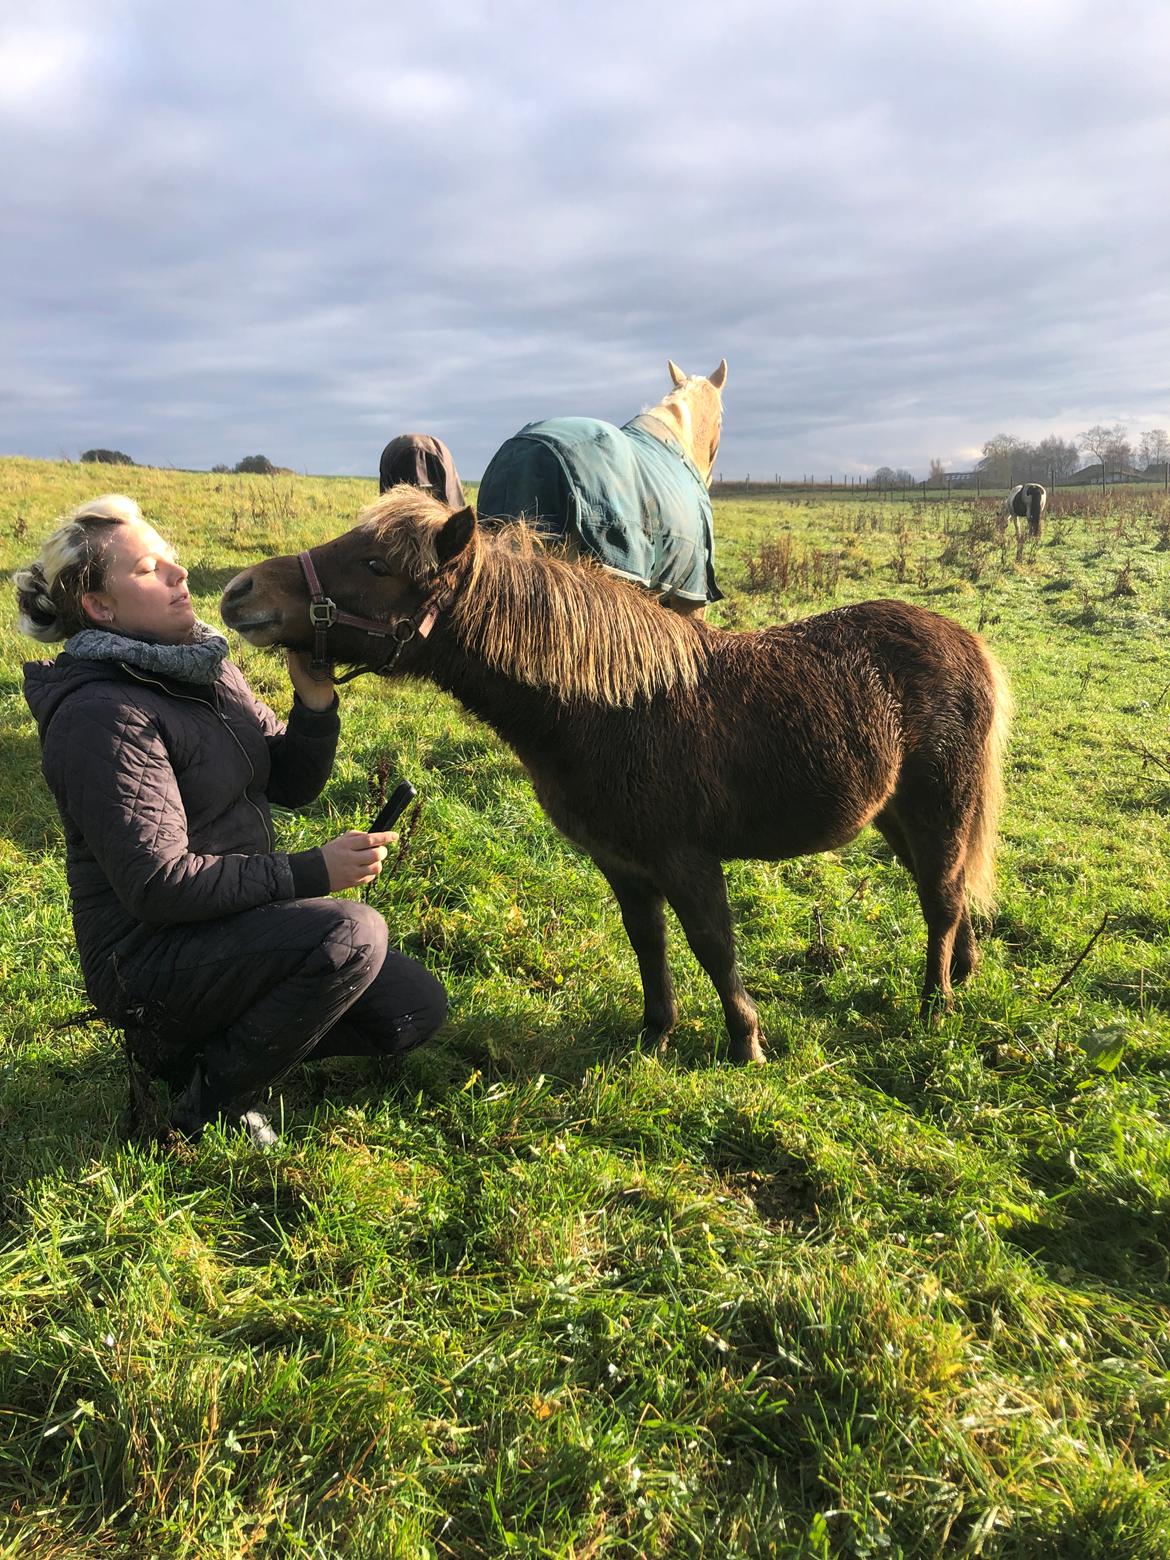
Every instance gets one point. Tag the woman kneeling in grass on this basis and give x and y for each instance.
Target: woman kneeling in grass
(217, 953)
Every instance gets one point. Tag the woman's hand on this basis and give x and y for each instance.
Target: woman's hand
(355, 858)
(316, 692)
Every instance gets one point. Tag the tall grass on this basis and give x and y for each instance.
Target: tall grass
(903, 1291)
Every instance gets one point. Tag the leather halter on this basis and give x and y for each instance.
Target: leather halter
(324, 613)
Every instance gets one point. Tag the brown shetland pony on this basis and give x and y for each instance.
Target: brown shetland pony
(662, 746)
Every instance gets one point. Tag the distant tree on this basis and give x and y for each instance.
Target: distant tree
(1105, 443)
(1154, 447)
(220, 470)
(1007, 460)
(256, 465)
(1003, 459)
(1120, 455)
(107, 458)
(938, 473)
(1055, 459)
(887, 477)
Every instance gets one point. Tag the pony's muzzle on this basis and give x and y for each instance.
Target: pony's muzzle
(248, 617)
(235, 590)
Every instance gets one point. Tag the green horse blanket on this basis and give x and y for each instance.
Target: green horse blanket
(629, 497)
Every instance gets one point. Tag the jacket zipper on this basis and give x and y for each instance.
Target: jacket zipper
(215, 710)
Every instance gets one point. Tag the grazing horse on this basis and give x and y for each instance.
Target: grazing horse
(424, 462)
(1027, 501)
(662, 746)
(635, 498)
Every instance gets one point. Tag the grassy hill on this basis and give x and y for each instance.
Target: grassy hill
(903, 1291)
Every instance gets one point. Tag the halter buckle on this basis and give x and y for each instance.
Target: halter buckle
(323, 614)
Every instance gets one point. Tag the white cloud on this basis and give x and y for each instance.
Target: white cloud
(907, 226)
(408, 97)
(41, 71)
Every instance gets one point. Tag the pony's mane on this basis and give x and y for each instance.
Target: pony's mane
(548, 621)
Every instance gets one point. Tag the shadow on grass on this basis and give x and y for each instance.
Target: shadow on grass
(1120, 1244)
(66, 1110)
(785, 1189)
(68, 1091)
(29, 815)
(1138, 990)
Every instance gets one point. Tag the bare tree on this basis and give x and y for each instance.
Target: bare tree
(1055, 459)
(887, 477)
(1121, 456)
(1154, 447)
(938, 473)
(1103, 442)
(1005, 460)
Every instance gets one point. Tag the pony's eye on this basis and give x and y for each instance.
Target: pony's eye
(376, 566)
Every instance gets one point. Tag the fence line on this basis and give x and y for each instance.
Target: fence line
(960, 484)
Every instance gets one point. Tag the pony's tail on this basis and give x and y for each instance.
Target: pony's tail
(981, 842)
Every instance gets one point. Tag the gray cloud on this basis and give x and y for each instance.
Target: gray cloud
(301, 229)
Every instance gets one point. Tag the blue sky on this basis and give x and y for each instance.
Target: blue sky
(300, 229)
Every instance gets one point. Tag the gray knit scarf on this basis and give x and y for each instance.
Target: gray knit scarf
(198, 661)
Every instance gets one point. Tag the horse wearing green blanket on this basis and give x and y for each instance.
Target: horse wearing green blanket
(635, 498)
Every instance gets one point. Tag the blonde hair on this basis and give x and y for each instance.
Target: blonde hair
(72, 563)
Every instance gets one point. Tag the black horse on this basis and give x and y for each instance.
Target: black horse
(424, 462)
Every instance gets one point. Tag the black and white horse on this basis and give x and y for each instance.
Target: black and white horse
(1027, 502)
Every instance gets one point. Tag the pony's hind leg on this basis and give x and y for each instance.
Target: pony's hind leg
(935, 862)
(965, 953)
(696, 890)
(888, 826)
(641, 905)
(942, 901)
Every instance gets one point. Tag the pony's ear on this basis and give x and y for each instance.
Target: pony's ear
(454, 535)
(678, 378)
(719, 377)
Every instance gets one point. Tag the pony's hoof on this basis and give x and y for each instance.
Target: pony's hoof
(655, 1042)
(964, 969)
(934, 1009)
(745, 1051)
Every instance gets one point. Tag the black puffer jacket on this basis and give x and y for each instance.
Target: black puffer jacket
(164, 790)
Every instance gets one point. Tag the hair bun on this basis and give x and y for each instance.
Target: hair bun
(38, 615)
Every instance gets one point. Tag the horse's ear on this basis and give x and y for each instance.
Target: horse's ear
(677, 376)
(719, 377)
(454, 535)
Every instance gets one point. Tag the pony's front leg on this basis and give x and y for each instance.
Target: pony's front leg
(642, 916)
(698, 893)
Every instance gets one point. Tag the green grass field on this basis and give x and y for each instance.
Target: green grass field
(901, 1292)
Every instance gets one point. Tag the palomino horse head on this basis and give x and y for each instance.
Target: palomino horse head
(370, 589)
(693, 411)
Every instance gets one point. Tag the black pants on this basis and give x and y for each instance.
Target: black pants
(254, 994)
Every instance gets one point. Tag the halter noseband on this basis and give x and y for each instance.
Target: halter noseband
(324, 613)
